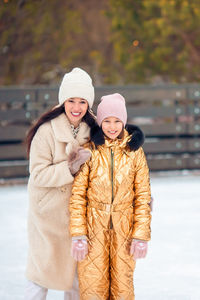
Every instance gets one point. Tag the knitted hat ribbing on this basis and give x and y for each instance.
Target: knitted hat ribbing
(112, 106)
(76, 83)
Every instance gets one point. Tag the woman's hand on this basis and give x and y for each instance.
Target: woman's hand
(138, 249)
(79, 249)
(76, 159)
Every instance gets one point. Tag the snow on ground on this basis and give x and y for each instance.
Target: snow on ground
(171, 270)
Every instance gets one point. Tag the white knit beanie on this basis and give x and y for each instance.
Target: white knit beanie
(76, 83)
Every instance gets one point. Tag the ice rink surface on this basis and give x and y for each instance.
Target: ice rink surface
(171, 270)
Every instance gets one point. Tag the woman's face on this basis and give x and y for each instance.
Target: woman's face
(75, 109)
(112, 127)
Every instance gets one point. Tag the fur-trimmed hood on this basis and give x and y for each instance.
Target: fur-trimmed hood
(135, 142)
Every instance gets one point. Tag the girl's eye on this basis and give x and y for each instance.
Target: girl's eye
(70, 100)
(83, 102)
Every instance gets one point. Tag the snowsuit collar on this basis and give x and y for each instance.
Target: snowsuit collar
(121, 143)
(133, 137)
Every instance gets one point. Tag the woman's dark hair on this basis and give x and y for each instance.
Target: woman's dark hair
(89, 119)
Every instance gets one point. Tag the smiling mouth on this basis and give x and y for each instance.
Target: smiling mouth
(76, 114)
(112, 132)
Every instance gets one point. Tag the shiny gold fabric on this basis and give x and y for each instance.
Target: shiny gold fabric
(110, 204)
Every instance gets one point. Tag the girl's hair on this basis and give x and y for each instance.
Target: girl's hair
(89, 119)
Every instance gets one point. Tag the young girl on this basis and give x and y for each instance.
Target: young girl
(109, 206)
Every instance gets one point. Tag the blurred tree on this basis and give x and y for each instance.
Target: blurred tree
(34, 36)
(156, 38)
(116, 41)
(40, 40)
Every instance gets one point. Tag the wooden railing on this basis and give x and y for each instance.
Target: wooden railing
(169, 115)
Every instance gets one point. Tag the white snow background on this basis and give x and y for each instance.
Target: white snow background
(171, 269)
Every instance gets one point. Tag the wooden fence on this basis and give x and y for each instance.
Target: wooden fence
(169, 115)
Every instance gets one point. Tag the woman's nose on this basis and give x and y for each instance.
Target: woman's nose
(76, 106)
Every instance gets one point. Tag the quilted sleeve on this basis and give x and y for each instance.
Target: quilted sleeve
(78, 202)
(142, 211)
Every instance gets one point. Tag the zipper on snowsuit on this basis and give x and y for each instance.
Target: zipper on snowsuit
(112, 182)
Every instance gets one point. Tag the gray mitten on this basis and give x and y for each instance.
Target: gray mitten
(77, 158)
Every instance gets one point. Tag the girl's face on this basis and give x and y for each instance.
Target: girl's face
(112, 127)
(75, 109)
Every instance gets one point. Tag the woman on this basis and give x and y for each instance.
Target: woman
(50, 144)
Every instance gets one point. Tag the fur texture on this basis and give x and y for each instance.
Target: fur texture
(49, 260)
(137, 139)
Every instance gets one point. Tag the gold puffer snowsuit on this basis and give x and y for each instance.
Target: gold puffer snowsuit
(110, 204)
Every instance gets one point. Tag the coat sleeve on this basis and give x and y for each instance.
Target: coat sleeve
(43, 172)
(142, 211)
(78, 202)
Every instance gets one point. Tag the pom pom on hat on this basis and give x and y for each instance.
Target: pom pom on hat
(112, 106)
(76, 83)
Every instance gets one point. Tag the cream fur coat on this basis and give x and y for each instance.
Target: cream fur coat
(49, 261)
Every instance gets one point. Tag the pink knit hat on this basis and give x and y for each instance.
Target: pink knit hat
(112, 106)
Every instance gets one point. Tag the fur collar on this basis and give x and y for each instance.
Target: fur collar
(63, 132)
(136, 140)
